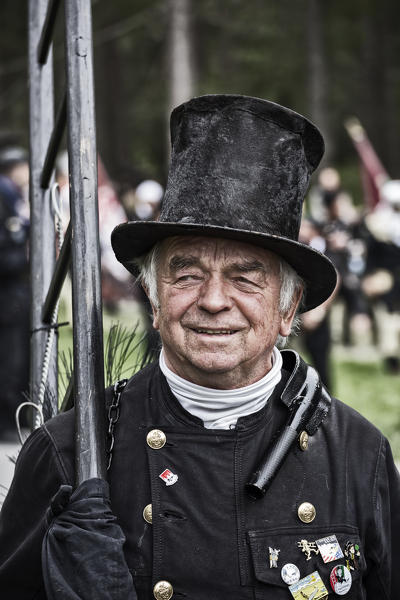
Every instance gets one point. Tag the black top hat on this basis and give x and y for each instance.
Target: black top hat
(240, 169)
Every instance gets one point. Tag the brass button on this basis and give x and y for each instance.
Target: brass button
(156, 439)
(163, 590)
(306, 512)
(303, 440)
(148, 514)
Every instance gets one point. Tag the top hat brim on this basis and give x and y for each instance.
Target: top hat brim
(133, 239)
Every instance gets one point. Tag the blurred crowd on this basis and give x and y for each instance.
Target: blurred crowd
(134, 198)
(364, 245)
(14, 284)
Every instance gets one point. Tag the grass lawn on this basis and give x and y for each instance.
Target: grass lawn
(375, 394)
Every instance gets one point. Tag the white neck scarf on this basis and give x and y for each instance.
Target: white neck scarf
(220, 409)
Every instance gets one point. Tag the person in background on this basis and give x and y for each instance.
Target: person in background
(14, 286)
(381, 282)
(144, 202)
(111, 212)
(332, 208)
(144, 205)
(315, 325)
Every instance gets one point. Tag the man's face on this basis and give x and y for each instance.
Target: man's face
(218, 313)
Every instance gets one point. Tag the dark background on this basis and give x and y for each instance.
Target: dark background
(328, 59)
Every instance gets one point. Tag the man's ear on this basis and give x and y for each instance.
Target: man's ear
(287, 319)
(155, 309)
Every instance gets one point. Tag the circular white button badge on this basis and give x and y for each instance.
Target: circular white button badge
(340, 580)
(290, 573)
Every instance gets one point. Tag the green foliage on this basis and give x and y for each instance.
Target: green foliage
(126, 348)
(375, 394)
(125, 352)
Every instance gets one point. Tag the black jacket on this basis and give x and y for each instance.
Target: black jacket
(208, 538)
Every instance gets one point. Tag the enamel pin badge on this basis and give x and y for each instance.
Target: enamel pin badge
(273, 557)
(341, 580)
(308, 547)
(309, 588)
(352, 554)
(290, 573)
(329, 548)
(168, 477)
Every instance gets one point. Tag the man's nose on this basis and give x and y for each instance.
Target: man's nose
(214, 295)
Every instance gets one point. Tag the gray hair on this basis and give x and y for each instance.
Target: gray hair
(291, 283)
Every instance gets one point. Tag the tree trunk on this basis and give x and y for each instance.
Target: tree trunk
(180, 63)
(317, 65)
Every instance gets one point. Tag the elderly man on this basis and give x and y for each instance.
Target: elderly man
(234, 474)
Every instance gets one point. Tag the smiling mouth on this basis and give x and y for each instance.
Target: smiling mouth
(214, 331)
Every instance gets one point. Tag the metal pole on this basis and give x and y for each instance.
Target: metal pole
(86, 282)
(54, 144)
(42, 238)
(59, 275)
(47, 30)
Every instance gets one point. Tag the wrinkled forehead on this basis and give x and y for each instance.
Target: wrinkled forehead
(215, 252)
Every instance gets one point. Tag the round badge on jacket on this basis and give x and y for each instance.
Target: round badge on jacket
(340, 580)
(290, 573)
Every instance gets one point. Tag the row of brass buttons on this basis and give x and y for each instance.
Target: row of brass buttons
(156, 439)
(306, 513)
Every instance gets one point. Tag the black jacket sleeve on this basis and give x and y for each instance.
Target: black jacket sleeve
(383, 539)
(39, 472)
(394, 507)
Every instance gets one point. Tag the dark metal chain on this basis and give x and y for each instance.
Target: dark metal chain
(113, 416)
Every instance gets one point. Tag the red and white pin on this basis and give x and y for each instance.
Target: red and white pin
(341, 580)
(168, 477)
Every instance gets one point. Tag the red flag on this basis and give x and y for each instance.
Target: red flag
(373, 173)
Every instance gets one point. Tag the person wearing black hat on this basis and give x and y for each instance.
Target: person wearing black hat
(233, 473)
